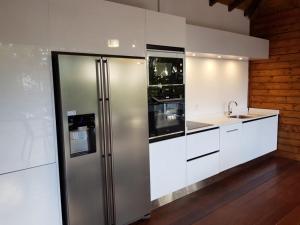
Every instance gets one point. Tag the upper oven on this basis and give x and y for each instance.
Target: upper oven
(165, 68)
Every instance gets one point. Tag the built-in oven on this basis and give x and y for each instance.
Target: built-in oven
(166, 112)
(166, 93)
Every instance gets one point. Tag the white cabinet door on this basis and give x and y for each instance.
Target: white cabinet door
(230, 146)
(202, 168)
(202, 143)
(27, 134)
(259, 137)
(30, 197)
(269, 132)
(167, 166)
(250, 139)
(164, 29)
(86, 26)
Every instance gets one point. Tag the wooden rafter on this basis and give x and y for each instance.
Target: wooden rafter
(252, 7)
(212, 2)
(234, 4)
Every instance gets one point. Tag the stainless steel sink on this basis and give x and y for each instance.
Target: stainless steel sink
(241, 116)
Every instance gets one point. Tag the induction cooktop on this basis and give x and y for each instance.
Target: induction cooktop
(191, 125)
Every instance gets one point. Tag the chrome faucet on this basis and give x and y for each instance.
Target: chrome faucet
(230, 108)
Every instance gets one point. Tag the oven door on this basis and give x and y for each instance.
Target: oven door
(166, 69)
(166, 119)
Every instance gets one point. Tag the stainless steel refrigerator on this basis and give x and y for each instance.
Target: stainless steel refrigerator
(102, 125)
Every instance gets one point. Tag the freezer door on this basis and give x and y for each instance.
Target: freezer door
(129, 130)
(82, 151)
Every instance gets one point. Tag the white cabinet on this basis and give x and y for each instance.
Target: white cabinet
(86, 26)
(202, 143)
(269, 132)
(230, 146)
(27, 134)
(225, 43)
(201, 168)
(250, 140)
(164, 29)
(167, 166)
(30, 197)
(259, 137)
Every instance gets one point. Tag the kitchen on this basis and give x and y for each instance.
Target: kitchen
(202, 101)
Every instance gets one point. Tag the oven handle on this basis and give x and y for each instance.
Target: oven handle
(167, 100)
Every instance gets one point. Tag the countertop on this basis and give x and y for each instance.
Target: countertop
(222, 120)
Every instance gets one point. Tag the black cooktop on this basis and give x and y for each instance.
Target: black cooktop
(196, 125)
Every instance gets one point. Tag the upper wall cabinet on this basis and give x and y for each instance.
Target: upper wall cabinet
(24, 22)
(164, 29)
(206, 40)
(88, 26)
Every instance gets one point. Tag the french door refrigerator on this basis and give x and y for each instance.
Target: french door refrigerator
(102, 125)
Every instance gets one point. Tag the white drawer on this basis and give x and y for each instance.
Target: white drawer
(202, 143)
(202, 168)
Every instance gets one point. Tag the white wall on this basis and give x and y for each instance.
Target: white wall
(212, 83)
(198, 12)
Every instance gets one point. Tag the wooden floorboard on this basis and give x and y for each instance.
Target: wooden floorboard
(260, 194)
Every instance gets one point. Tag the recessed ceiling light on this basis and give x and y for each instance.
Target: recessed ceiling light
(240, 58)
(133, 45)
(193, 54)
(219, 57)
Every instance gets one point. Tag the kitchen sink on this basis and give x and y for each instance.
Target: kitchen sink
(241, 116)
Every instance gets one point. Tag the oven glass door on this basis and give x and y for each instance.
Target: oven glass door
(164, 70)
(166, 118)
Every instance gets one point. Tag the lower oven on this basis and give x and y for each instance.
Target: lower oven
(166, 112)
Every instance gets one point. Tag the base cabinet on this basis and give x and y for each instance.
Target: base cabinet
(167, 166)
(30, 197)
(230, 146)
(259, 137)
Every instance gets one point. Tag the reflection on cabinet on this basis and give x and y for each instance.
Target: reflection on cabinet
(259, 137)
(164, 29)
(230, 146)
(30, 197)
(167, 166)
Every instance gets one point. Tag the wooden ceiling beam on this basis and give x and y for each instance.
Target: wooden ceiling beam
(212, 2)
(252, 7)
(234, 4)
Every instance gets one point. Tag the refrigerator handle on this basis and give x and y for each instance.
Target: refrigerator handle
(102, 137)
(99, 70)
(108, 135)
(105, 77)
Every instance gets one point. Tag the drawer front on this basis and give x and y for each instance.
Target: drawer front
(202, 168)
(203, 143)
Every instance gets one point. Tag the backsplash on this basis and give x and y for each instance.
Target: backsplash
(212, 83)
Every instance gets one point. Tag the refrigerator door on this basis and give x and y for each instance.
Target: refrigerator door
(82, 145)
(129, 138)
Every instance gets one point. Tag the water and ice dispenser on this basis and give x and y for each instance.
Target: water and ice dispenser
(82, 134)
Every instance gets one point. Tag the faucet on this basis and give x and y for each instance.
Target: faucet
(230, 108)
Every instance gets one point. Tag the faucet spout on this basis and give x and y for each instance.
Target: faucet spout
(229, 112)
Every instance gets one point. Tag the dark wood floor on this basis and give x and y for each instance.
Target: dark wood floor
(266, 193)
